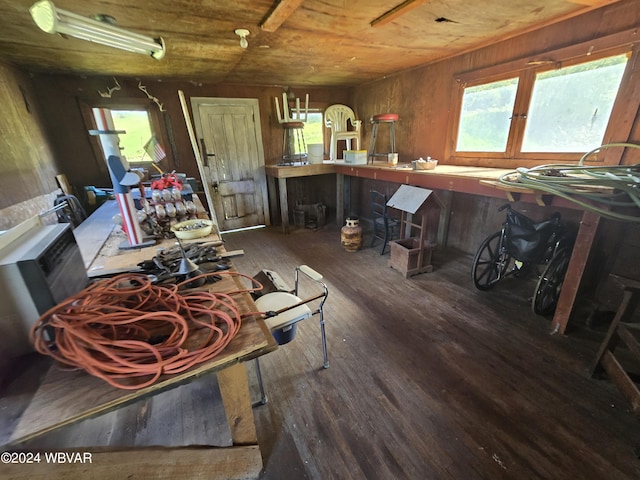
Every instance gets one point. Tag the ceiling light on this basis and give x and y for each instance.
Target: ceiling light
(242, 33)
(55, 20)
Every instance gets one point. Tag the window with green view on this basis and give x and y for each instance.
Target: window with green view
(486, 116)
(137, 126)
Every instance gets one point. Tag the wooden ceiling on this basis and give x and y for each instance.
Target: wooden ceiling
(292, 42)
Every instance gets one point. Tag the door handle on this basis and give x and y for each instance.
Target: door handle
(215, 187)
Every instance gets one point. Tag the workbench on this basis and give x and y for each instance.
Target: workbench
(281, 173)
(67, 398)
(480, 181)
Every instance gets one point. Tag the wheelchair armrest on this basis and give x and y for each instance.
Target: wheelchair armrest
(310, 272)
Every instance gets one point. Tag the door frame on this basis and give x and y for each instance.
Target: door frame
(254, 104)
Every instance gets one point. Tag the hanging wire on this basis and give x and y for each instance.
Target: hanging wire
(595, 188)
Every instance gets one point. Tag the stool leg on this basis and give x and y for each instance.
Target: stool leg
(392, 136)
(285, 139)
(372, 142)
(302, 147)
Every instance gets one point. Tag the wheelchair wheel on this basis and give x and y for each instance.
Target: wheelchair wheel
(545, 297)
(489, 263)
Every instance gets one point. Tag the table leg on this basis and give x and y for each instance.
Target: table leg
(340, 188)
(234, 388)
(273, 197)
(284, 204)
(444, 198)
(577, 263)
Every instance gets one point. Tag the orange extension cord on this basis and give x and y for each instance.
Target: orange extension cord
(129, 332)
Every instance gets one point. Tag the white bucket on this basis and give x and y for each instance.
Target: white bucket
(316, 152)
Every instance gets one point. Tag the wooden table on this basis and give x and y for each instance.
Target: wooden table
(67, 397)
(484, 181)
(282, 173)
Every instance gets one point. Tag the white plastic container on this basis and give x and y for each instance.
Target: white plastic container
(355, 156)
(316, 152)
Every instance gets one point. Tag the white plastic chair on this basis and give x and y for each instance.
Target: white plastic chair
(335, 118)
(284, 309)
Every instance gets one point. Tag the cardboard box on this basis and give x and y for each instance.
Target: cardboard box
(358, 157)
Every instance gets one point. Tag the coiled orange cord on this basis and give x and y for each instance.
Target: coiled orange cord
(129, 332)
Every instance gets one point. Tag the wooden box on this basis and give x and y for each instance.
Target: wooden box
(407, 259)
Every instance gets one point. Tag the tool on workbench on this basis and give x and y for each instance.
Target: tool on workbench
(179, 263)
(189, 269)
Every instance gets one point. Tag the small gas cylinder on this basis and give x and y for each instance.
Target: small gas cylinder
(351, 235)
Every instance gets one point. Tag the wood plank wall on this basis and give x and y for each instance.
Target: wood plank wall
(60, 96)
(422, 98)
(27, 166)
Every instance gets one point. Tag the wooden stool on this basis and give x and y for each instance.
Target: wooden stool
(621, 329)
(391, 119)
(293, 136)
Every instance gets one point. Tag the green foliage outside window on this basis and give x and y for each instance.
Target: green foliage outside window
(137, 126)
(485, 117)
(569, 109)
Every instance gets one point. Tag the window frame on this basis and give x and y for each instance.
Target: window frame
(156, 119)
(317, 111)
(525, 70)
(147, 160)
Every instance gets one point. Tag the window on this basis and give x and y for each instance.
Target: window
(137, 113)
(540, 113)
(137, 126)
(570, 107)
(314, 128)
(485, 116)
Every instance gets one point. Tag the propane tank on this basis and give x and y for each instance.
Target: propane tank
(351, 235)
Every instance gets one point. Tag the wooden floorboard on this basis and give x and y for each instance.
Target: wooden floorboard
(429, 378)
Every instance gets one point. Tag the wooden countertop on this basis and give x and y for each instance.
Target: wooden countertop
(456, 178)
(292, 171)
(463, 171)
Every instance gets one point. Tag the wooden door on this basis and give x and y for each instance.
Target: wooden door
(230, 138)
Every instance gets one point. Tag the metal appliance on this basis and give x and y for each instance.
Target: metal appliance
(40, 266)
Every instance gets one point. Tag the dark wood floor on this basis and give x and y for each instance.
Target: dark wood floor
(429, 378)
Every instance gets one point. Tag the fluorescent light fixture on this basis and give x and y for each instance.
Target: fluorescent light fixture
(55, 20)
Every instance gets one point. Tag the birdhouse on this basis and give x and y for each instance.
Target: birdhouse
(420, 208)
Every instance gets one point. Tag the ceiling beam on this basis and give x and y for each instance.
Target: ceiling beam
(396, 11)
(592, 3)
(279, 14)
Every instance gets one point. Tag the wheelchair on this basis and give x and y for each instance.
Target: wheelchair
(522, 246)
